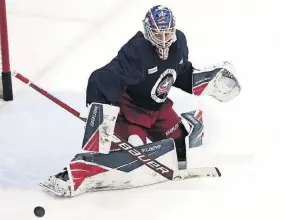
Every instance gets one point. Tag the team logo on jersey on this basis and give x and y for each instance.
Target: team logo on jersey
(162, 86)
(165, 85)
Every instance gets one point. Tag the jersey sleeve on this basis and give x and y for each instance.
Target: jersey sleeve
(107, 84)
(184, 78)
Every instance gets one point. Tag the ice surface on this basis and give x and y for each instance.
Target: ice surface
(58, 43)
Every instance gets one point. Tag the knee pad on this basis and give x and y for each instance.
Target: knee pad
(194, 126)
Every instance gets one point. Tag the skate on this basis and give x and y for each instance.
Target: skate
(58, 184)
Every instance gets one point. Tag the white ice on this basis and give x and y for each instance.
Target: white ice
(58, 43)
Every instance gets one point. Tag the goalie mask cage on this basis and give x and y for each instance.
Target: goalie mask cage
(6, 91)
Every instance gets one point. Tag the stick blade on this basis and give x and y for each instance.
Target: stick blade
(198, 172)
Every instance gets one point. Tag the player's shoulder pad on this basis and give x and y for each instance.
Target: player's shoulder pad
(136, 46)
(137, 39)
(180, 35)
(182, 43)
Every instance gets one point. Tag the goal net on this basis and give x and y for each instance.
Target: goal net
(1, 71)
(6, 92)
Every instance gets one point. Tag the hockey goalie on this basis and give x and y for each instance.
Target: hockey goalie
(133, 137)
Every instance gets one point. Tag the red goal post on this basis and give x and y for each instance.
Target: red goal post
(6, 91)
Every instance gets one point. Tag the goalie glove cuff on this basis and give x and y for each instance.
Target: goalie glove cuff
(217, 81)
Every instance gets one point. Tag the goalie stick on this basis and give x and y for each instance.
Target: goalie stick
(124, 145)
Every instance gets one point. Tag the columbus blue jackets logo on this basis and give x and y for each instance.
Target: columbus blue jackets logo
(165, 85)
(162, 86)
(162, 18)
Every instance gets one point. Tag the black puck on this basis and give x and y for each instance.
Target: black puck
(39, 211)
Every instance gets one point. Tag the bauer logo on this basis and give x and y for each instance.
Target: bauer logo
(156, 166)
(93, 117)
(151, 148)
(204, 79)
(171, 130)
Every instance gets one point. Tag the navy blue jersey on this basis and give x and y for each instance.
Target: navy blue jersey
(138, 71)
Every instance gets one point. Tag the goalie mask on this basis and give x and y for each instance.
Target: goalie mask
(159, 29)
